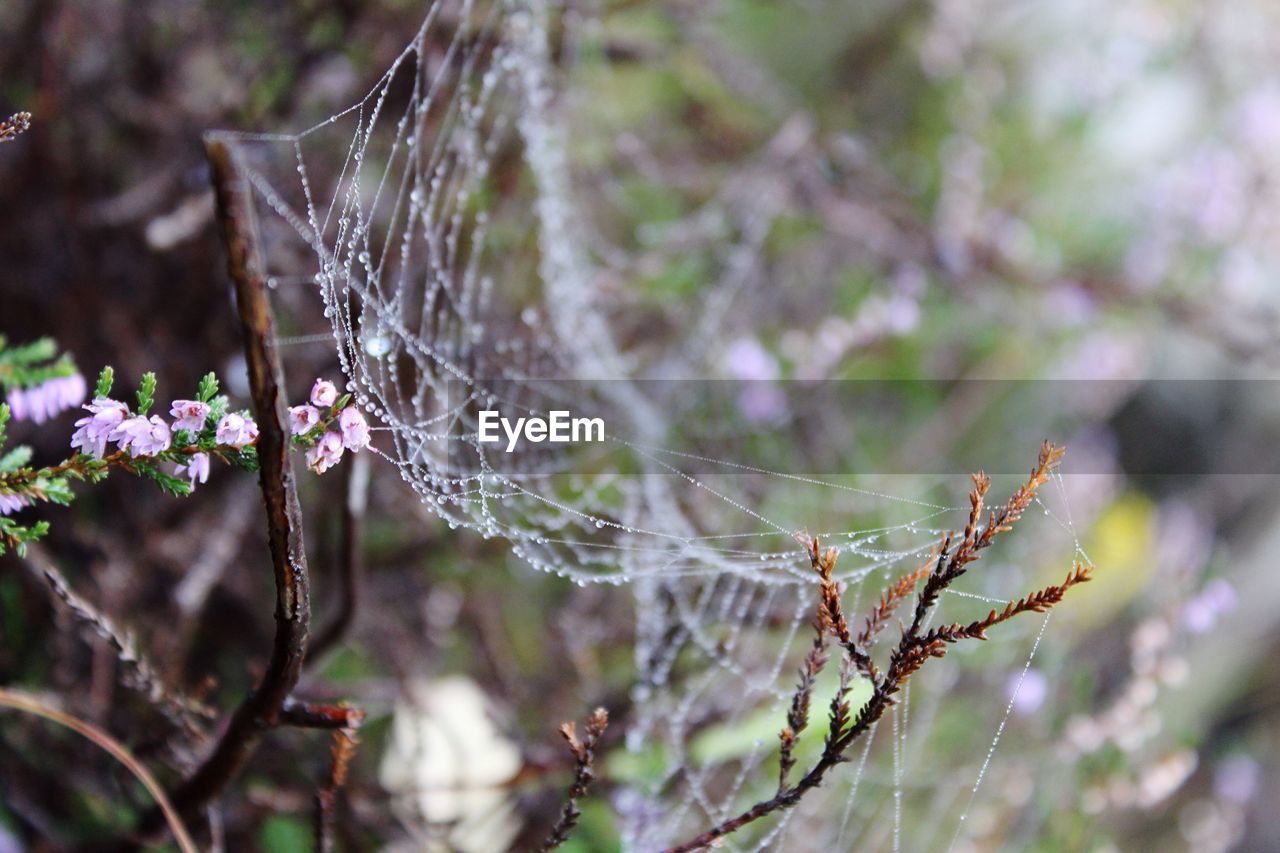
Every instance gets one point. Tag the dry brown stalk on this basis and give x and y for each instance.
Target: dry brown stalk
(583, 750)
(913, 649)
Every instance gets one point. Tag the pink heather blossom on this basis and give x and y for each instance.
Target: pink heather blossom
(142, 436)
(13, 503)
(48, 399)
(323, 394)
(95, 431)
(303, 419)
(326, 452)
(1027, 691)
(355, 429)
(197, 468)
(189, 415)
(235, 430)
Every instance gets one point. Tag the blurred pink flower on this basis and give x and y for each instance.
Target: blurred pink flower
(95, 430)
(323, 394)
(326, 452)
(189, 415)
(303, 419)
(1217, 599)
(747, 359)
(1027, 691)
(13, 503)
(48, 399)
(235, 430)
(142, 436)
(1237, 779)
(355, 429)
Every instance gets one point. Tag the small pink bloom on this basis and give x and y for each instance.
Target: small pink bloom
(95, 431)
(235, 430)
(189, 415)
(303, 419)
(326, 452)
(197, 468)
(323, 394)
(48, 399)
(355, 429)
(13, 503)
(142, 436)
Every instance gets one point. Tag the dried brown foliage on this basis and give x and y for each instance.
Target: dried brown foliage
(583, 750)
(916, 646)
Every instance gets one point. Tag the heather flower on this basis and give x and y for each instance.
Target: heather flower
(235, 430)
(196, 468)
(323, 394)
(303, 419)
(13, 503)
(95, 431)
(326, 452)
(355, 429)
(48, 399)
(143, 436)
(189, 415)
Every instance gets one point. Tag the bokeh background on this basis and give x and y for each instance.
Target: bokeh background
(988, 189)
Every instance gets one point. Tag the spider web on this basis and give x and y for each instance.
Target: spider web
(432, 228)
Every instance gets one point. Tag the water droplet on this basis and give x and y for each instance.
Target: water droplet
(377, 346)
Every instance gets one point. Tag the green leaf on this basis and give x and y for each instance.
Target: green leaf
(15, 459)
(208, 387)
(175, 486)
(54, 490)
(146, 392)
(41, 349)
(105, 380)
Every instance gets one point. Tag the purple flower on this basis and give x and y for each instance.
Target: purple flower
(355, 429)
(235, 430)
(747, 359)
(142, 436)
(303, 419)
(95, 431)
(197, 468)
(1202, 612)
(326, 452)
(47, 399)
(13, 503)
(323, 394)
(189, 415)
(1027, 691)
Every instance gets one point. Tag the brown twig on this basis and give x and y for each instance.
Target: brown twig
(916, 646)
(138, 673)
(310, 716)
(584, 774)
(117, 750)
(343, 750)
(260, 710)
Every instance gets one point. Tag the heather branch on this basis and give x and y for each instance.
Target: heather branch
(260, 710)
(798, 714)
(915, 647)
(583, 750)
(14, 126)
